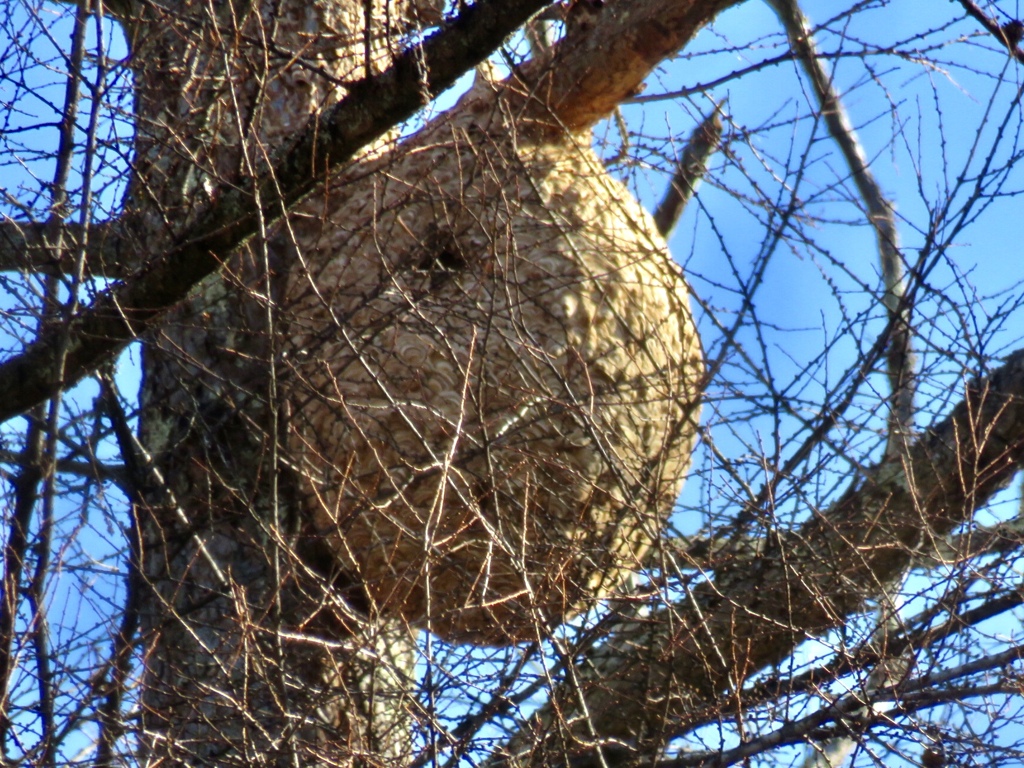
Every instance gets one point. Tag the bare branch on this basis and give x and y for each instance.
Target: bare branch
(900, 354)
(24, 247)
(374, 105)
(93, 470)
(846, 713)
(111, 724)
(900, 358)
(689, 171)
(628, 38)
(806, 581)
(1008, 34)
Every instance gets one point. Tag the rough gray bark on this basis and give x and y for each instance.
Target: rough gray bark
(251, 657)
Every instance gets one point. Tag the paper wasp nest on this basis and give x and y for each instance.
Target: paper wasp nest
(495, 377)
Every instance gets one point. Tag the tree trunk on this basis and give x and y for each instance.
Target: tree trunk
(249, 645)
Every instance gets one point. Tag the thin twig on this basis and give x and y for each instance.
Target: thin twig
(109, 711)
(900, 355)
(900, 358)
(144, 476)
(1007, 34)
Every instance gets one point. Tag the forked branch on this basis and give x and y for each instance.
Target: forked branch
(566, 91)
(374, 105)
(804, 583)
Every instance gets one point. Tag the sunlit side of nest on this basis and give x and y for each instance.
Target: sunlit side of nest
(495, 376)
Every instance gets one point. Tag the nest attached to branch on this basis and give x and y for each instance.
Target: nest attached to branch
(495, 377)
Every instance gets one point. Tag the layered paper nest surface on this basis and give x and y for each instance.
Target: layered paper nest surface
(494, 378)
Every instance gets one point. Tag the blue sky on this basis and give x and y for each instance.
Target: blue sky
(933, 112)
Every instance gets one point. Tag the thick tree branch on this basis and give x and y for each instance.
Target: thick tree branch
(690, 171)
(850, 713)
(805, 582)
(629, 39)
(24, 248)
(373, 106)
